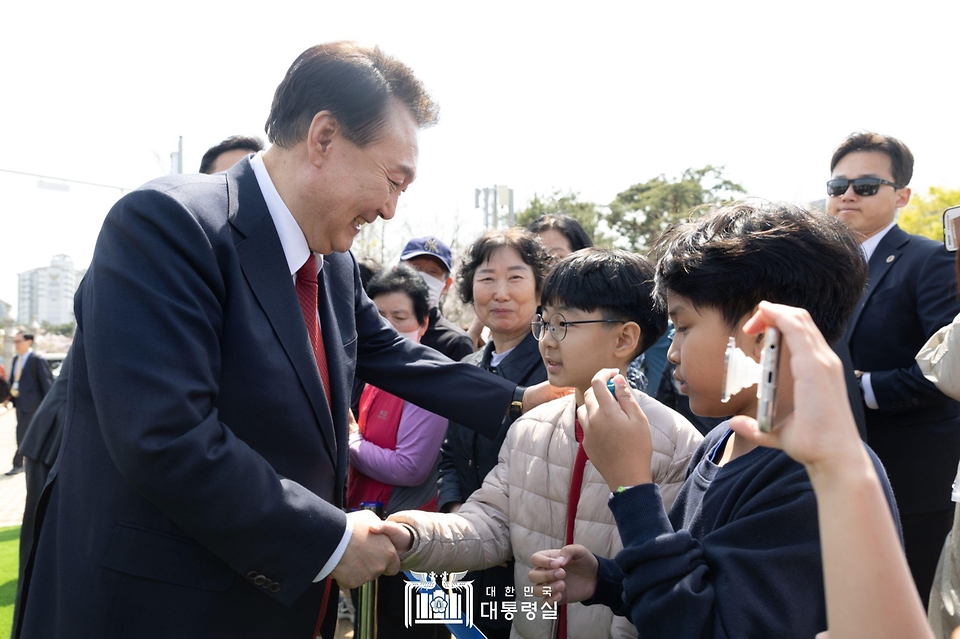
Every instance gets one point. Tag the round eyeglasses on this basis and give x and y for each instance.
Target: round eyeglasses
(557, 325)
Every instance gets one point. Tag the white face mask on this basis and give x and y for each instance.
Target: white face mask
(412, 336)
(436, 288)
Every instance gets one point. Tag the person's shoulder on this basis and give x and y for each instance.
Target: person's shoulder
(922, 245)
(446, 337)
(549, 413)
(769, 475)
(672, 425)
(203, 198)
(474, 358)
(534, 431)
(446, 325)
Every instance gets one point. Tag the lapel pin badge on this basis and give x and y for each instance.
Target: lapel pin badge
(890, 258)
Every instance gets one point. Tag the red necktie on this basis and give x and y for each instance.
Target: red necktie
(576, 483)
(308, 291)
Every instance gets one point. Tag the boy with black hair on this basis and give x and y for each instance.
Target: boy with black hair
(739, 554)
(598, 312)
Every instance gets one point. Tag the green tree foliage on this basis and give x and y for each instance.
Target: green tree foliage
(587, 214)
(644, 211)
(924, 214)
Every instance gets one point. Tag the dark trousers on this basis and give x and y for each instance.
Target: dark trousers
(36, 476)
(923, 537)
(23, 420)
(329, 628)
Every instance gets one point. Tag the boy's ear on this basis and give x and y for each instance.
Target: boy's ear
(628, 340)
(751, 345)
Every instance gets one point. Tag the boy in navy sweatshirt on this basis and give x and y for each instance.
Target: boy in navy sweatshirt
(739, 554)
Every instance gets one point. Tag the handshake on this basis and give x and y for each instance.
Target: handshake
(374, 549)
(563, 575)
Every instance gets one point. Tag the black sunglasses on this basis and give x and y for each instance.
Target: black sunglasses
(864, 186)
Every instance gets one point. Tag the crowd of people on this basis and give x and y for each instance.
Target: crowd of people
(240, 385)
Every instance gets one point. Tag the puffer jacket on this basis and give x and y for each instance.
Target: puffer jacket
(522, 508)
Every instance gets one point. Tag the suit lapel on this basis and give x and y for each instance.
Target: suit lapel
(261, 259)
(884, 257)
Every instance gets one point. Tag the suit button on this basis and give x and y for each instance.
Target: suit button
(470, 463)
(260, 580)
(274, 587)
(252, 575)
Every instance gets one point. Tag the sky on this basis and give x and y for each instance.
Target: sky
(585, 97)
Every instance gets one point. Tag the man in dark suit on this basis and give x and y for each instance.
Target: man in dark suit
(910, 294)
(40, 446)
(30, 379)
(202, 467)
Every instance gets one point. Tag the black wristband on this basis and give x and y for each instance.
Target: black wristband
(516, 404)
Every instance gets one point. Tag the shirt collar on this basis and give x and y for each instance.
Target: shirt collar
(870, 244)
(295, 248)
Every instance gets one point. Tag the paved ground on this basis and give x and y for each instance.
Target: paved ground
(13, 490)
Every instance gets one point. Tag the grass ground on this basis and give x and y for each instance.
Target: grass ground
(9, 560)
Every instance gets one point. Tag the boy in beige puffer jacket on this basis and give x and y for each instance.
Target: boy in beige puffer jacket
(597, 311)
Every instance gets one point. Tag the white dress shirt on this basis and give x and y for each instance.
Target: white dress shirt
(18, 366)
(868, 246)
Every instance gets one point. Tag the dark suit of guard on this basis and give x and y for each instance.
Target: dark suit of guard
(911, 293)
(39, 448)
(35, 381)
(199, 483)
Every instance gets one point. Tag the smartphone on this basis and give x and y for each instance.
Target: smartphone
(951, 228)
(770, 371)
(612, 388)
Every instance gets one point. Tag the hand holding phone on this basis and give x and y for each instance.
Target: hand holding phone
(770, 372)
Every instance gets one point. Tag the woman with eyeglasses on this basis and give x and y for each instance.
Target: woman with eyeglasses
(500, 275)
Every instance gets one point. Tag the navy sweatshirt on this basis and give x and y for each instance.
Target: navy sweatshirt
(744, 560)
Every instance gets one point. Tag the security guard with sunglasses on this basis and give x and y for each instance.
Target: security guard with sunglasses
(910, 294)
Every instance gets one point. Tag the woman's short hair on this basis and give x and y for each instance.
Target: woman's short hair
(403, 279)
(525, 243)
(565, 226)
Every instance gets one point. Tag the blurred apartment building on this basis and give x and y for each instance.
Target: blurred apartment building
(46, 293)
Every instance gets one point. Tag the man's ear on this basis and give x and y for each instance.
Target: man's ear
(903, 198)
(324, 129)
(628, 339)
(446, 287)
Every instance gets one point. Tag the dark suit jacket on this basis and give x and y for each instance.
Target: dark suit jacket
(446, 337)
(911, 293)
(35, 381)
(199, 482)
(41, 442)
